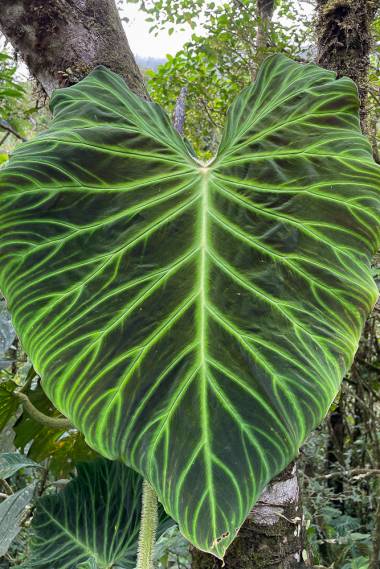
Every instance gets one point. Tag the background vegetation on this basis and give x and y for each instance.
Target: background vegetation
(340, 462)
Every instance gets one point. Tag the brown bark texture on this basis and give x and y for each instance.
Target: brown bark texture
(271, 537)
(344, 42)
(61, 41)
(265, 9)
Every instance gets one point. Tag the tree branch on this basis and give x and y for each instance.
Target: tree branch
(10, 130)
(6, 487)
(37, 415)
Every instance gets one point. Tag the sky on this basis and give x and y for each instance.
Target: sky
(147, 45)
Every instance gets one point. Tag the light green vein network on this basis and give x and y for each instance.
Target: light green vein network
(194, 320)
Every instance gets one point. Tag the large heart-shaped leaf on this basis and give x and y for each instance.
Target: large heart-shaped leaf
(94, 522)
(194, 320)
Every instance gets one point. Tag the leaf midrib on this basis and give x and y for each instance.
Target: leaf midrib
(202, 331)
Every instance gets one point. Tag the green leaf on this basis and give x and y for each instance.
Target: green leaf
(94, 522)
(11, 512)
(66, 451)
(360, 562)
(89, 564)
(194, 320)
(8, 403)
(12, 462)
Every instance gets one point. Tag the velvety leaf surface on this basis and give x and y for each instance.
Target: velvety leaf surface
(194, 320)
(94, 522)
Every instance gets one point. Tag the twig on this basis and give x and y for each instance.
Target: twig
(364, 472)
(6, 126)
(4, 138)
(6, 486)
(240, 4)
(208, 112)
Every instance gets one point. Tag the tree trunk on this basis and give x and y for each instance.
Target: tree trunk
(61, 41)
(265, 10)
(344, 42)
(272, 535)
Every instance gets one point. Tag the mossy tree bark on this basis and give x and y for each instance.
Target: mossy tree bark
(61, 41)
(265, 9)
(344, 41)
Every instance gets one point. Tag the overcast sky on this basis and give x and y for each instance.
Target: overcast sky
(145, 44)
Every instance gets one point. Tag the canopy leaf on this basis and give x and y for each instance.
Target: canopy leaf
(194, 320)
(93, 523)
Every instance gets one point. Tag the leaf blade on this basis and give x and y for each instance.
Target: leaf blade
(213, 308)
(12, 462)
(93, 522)
(11, 512)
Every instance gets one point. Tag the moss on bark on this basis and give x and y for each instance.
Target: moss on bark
(344, 42)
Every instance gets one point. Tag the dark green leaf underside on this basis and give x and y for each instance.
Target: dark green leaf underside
(194, 320)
